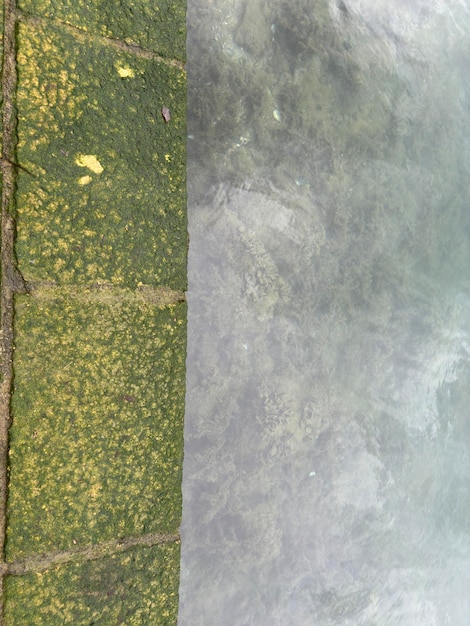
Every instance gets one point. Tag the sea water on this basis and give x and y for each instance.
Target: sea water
(327, 429)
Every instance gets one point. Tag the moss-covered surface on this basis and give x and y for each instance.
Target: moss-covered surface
(137, 587)
(96, 442)
(97, 404)
(107, 198)
(158, 26)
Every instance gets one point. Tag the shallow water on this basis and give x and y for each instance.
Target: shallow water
(327, 442)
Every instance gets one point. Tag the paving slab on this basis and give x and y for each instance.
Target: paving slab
(96, 441)
(136, 587)
(104, 197)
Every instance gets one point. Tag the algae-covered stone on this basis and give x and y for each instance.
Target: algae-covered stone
(137, 587)
(96, 442)
(97, 435)
(158, 26)
(105, 199)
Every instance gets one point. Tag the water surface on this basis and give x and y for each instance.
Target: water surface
(327, 443)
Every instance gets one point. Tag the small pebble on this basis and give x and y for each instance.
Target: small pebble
(166, 114)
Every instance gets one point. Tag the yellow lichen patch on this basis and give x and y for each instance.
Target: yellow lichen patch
(125, 72)
(51, 95)
(90, 161)
(85, 180)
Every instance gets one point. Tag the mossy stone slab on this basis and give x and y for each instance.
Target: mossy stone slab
(96, 443)
(158, 26)
(105, 199)
(137, 587)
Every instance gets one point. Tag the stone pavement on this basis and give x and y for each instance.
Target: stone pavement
(93, 312)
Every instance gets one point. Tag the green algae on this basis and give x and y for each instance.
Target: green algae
(106, 197)
(158, 27)
(96, 441)
(138, 587)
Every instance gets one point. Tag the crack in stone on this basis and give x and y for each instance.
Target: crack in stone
(11, 281)
(41, 562)
(84, 36)
(106, 293)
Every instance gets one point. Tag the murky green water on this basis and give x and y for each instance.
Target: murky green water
(327, 462)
